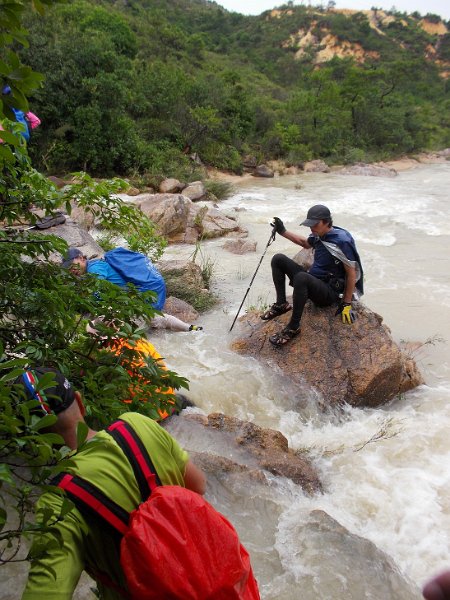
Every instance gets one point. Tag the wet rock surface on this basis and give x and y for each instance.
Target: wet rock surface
(336, 556)
(268, 448)
(358, 364)
(239, 246)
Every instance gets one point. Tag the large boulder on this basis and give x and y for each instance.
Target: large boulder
(357, 364)
(181, 220)
(74, 235)
(169, 212)
(210, 222)
(349, 565)
(254, 446)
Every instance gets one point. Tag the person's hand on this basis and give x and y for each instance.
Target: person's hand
(278, 225)
(348, 316)
(438, 588)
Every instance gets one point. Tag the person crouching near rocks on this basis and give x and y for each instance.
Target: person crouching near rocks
(78, 264)
(85, 543)
(335, 276)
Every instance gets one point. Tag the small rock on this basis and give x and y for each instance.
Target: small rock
(240, 246)
(132, 191)
(195, 191)
(180, 309)
(263, 171)
(316, 166)
(170, 186)
(369, 170)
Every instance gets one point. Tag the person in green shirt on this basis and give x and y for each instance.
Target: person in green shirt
(86, 545)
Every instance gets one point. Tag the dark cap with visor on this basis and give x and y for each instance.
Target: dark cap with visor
(54, 399)
(72, 253)
(316, 213)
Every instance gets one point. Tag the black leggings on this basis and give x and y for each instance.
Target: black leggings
(305, 286)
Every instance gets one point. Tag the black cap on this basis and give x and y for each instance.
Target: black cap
(316, 213)
(52, 400)
(71, 254)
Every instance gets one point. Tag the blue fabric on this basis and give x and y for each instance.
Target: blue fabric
(20, 118)
(103, 270)
(136, 268)
(325, 264)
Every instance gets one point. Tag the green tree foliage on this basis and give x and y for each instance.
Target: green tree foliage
(44, 310)
(138, 87)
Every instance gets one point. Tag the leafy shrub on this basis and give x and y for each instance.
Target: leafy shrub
(221, 156)
(220, 189)
(354, 155)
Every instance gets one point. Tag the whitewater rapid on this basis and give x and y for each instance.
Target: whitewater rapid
(394, 491)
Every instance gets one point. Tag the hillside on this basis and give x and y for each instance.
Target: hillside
(136, 86)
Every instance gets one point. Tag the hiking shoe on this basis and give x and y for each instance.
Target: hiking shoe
(284, 336)
(195, 328)
(275, 311)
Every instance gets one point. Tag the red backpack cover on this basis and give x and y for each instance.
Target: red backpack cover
(175, 545)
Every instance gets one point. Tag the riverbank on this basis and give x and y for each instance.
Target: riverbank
(279, 167)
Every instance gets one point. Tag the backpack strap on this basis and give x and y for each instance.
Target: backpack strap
(133, 448)
(90, 500)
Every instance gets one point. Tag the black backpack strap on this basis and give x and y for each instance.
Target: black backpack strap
(91, 501)
(133, 448)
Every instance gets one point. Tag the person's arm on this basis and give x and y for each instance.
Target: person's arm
(350, 282)
(194, 478)
(279, 227)
(297, 239)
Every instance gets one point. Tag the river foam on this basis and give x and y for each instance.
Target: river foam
(386, 471)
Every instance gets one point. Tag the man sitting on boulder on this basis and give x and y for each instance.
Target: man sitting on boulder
(334, 277)
(78, 264)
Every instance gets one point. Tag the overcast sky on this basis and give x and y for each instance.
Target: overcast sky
(255, 7)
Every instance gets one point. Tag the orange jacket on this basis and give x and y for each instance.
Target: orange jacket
(144, 348)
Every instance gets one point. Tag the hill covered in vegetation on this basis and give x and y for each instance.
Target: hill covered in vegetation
(137, 86)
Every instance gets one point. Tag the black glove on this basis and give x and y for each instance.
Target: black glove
(344, 309)
(278, 225)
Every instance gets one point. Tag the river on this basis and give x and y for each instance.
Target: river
(394, 491)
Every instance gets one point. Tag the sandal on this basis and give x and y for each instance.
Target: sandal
(275, 311)
(284, 336)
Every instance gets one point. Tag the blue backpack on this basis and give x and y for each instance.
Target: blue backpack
(136, 268)
(20, 118)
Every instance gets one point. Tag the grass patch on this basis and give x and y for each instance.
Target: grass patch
(179, 286)
(220, 189)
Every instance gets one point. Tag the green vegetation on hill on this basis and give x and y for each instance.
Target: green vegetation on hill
(138, 86)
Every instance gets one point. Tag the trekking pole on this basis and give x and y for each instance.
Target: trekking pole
(271, 239)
